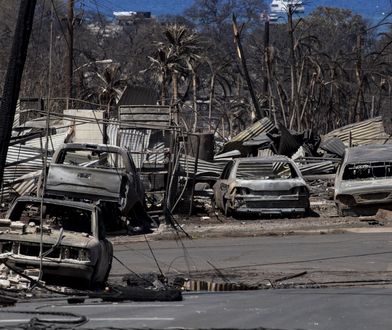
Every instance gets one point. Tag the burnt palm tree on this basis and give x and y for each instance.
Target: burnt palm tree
(162, 63)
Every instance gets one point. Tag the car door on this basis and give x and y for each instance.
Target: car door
(221, 186)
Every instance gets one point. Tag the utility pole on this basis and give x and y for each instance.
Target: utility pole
(69, 52)
(13, 76)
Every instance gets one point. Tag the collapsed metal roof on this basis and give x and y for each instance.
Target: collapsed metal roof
(237, 143)
(365, 132)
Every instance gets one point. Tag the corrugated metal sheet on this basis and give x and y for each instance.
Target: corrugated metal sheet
(145, 116)
(27, 184)
(187, 164)
(366, 132)
(265, 153)
(135, 140)
(16, 154)
(229, 154)
(262, 126)
(55, 141)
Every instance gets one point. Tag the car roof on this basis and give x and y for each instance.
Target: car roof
(371, 153)
(268, 159)
(80, 205)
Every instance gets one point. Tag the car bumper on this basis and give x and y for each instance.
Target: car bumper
(64, 269)
(273, 206)
(271, 211)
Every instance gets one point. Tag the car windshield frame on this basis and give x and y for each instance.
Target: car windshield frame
(274, 170)
(55, 216)
(363, 171)
(92, 158)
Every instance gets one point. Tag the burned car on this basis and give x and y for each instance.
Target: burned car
(363, 183)
(74, 248)
(262, 186)
(95, 172)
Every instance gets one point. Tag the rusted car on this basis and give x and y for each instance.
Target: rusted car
(363, 181)
(74, 248)
(262, 186)
(95, 172)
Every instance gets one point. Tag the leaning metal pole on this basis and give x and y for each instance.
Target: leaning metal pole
(13, 76)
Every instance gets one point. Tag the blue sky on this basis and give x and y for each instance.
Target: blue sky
(371, 9)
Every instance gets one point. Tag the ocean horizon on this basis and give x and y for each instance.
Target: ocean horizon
(373, 10)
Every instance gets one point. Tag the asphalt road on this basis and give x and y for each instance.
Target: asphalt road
(317, 253)
(356, 308)
(328, 308)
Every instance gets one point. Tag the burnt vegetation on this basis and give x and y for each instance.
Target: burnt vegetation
(322, 71)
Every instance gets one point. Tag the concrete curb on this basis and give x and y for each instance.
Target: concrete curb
(164, 233)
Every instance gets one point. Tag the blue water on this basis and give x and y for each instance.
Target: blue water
(371, 9)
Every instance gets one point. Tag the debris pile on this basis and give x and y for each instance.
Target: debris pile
(315, 154)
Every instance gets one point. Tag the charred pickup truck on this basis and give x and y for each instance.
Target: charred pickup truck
(95, 172)
(74, 248)
(363, 182)
(262, 186)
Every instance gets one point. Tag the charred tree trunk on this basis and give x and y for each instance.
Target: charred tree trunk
(295, 100)
(69, 52)
(237, 38)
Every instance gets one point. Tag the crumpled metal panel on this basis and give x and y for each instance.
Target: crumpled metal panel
(22, 154)
(366, 132)
(334, 146)
(262, 126)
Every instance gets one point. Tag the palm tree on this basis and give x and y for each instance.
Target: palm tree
(185, 46)
(109, 91)
(175, 58)
(162, 63)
